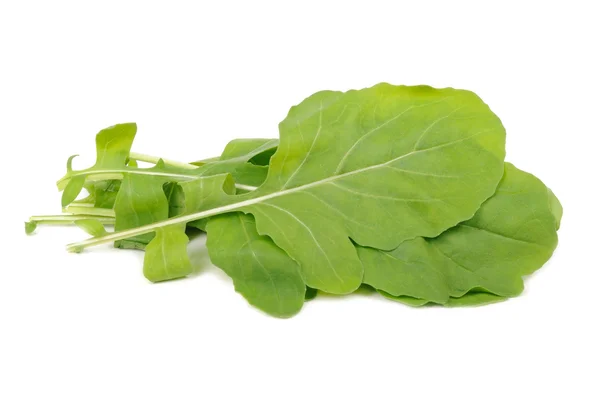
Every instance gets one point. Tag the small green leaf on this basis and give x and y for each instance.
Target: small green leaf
(141, 200)
(112, 150)
(166, 255)
(113, 145)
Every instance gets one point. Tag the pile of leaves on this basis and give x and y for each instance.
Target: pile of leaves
(403, 189)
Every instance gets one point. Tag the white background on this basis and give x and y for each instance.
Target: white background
(195, 75)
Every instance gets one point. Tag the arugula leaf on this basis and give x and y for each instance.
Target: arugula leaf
(263, 273)
(166, 255)
(146, 198)
(316, 188)
(511, 235)
(113, 145)
(141, 200)
(330, 177)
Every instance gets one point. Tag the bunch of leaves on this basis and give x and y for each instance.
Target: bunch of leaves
(403, 189)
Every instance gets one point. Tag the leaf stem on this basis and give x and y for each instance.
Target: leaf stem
(86, 210)
(69, 218)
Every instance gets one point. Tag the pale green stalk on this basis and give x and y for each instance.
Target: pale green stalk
(85, 209)
(65, 219)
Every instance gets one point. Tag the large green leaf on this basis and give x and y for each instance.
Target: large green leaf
(263, 273)
(511, 235)
(379, 166)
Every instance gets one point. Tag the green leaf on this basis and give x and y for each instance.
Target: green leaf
(166, 255)
(141, 200)
(511, 235)
(379, 166)
(112, 150)
(330, 178)
(263, 273)
(206, 192)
